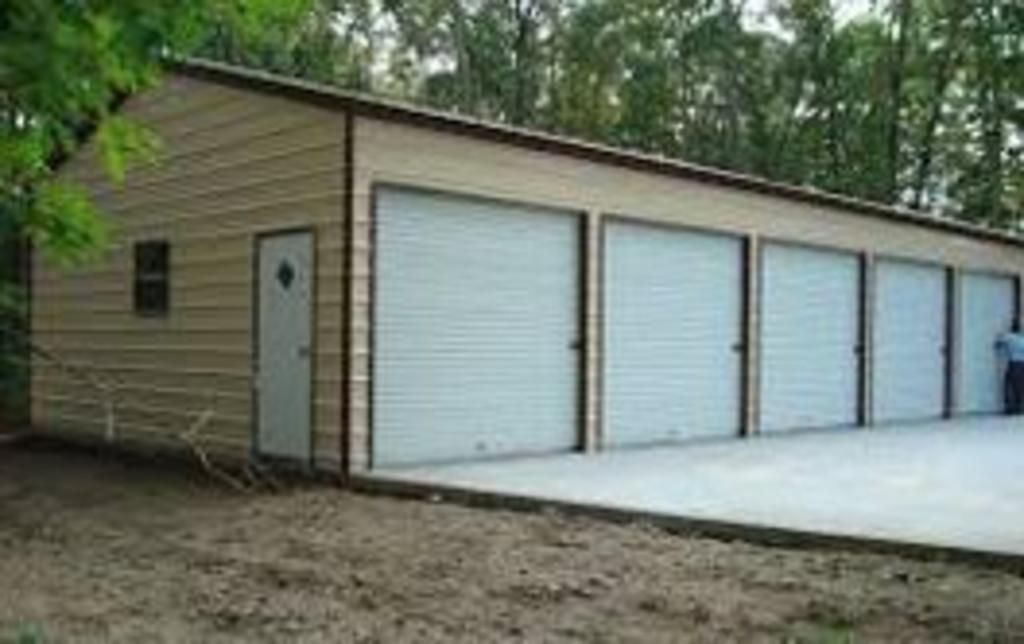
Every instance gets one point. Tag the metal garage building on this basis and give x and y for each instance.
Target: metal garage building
(355, 283)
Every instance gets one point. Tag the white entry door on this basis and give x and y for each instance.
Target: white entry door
(810, 310)
(672, 331)
(987, 304)
(283, 369)
(476, 329)
(909, 341)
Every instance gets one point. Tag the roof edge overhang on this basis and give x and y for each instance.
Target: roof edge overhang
(375, 107)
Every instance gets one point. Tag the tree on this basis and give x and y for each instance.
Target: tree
(489, 58)
(900, 38)
(939, 57)
(990, 160)
(328, 41)
(65, 67)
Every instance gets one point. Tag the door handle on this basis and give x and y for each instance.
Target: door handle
(303, 352)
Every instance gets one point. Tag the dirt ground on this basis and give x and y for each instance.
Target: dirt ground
(101, 549)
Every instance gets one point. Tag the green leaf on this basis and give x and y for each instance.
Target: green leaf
(65, 223)
(122, 142)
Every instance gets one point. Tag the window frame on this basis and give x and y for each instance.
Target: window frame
(151, 278)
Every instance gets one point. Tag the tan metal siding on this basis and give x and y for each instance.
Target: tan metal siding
(234, 163)
(386, 151)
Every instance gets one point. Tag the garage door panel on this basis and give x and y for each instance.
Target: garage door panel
(909, 341)
(476, 317)
(809, 335)
(672, 317)
(987, 305)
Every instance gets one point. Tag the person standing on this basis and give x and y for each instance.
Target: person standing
(1011, 344)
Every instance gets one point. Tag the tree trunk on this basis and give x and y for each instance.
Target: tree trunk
(518, 115)
(993, 119)
(943, 74)
(466, 99)
(896, 72)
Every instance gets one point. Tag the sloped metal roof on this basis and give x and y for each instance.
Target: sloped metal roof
(393, 110)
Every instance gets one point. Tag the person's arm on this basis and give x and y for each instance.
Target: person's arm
(1002, 343)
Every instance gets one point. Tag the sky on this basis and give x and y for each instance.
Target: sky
(846, 10)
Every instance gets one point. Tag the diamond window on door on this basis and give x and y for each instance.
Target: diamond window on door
(285, 274)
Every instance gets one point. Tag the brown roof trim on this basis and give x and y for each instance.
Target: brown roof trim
(391, 110)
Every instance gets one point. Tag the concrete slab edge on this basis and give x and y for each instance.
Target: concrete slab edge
(689, 526)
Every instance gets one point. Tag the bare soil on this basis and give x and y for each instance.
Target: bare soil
(101, 549)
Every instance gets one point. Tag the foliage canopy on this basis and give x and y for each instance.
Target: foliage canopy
(918, 102)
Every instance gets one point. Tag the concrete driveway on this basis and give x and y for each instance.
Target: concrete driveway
(954, 484)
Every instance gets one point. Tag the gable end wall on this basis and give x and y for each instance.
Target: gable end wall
(235, 164)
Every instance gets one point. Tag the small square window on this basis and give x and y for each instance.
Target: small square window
(152, 278)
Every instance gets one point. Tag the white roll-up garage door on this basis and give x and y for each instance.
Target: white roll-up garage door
(672, 310)
(987, 304)
(475, 329)
(909, 341)
(809, 338)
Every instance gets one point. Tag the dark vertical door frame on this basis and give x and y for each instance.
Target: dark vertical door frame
(373, 253)
(1016, 302)
(758, 333)
(600, 221)
(864, 343)
(582, 341)
(950, 345)
(743, 344)
(348, 228)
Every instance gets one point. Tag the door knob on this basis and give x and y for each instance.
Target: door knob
(303, 352)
